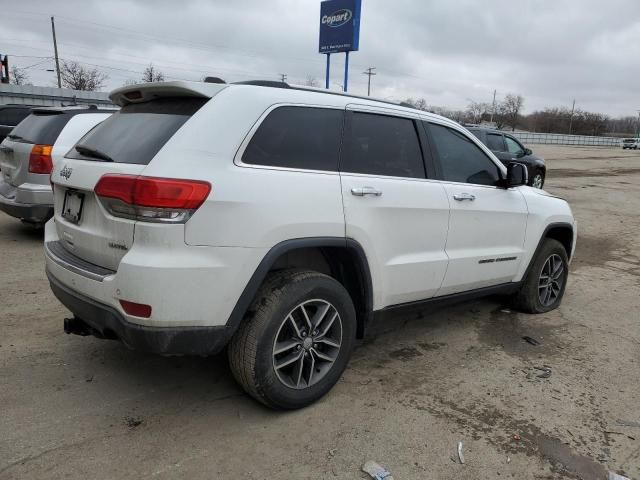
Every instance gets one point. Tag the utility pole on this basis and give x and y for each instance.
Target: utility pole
(493, 106)
(573, 108)
(55, 50)
(283, 77)
(369, 72)
(638, 127)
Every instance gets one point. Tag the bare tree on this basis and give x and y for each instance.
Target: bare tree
(311, 81)
(509, 109)
(18, 76)
(476, 110)
(78, 77)
(152, 74)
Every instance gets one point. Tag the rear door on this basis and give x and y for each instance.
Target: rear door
(391, 206)
(124, 143)
(487, 227)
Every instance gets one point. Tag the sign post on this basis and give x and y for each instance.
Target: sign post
(339, 31)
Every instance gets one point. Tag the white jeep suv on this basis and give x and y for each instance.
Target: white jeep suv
(278, 220)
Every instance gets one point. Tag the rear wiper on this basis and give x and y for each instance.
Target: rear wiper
(92, 152)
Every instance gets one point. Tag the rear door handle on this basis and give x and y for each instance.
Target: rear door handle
(362, 191)
(464, 196)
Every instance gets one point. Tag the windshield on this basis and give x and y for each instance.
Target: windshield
(137, 132)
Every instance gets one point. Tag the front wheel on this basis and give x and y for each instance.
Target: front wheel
(543, 288)
(296, 341)
(538, 180)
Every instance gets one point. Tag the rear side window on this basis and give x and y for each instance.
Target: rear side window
(460, 159)
(137, 131)
(495, 142)
(40, 127)
(383, 145)
(297, 137)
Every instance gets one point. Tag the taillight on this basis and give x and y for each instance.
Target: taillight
(151, 199)
(40, 159)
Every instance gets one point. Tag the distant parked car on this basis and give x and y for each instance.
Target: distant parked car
(28, 153)
(10, 116)
(508, 149)
(631, 143)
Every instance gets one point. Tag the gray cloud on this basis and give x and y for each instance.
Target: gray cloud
(447, 52)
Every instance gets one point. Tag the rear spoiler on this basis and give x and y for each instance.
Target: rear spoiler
(144, 92)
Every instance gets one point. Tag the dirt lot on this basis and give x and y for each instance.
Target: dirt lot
(74, 407)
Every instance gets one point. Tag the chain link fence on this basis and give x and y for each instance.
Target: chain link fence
(561, 139)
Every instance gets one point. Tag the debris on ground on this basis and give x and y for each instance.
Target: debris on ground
(460, 454)
(531, 340)
(332, 452)
(89, 378)
(133, 422)
(376, 471)
(517, 437)
(628, 423)
(508, 459)
(615, 476)
(546, 371)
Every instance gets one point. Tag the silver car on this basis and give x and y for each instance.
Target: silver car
(28, 153)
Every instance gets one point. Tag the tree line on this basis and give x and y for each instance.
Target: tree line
(507, 114)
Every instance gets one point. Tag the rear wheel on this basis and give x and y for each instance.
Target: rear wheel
(296, 341)
(543, 288)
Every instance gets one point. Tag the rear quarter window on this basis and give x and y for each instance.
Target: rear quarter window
(297, 137)
(137, 131)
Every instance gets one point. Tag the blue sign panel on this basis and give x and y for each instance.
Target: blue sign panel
(339, 26)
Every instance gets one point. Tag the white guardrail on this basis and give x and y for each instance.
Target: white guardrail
(561, 139)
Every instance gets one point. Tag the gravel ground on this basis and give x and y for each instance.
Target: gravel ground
(75, 407)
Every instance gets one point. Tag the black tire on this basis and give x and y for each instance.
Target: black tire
(251, 350)
(527, 299)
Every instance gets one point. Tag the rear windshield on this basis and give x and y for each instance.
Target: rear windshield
(41, 128)
(629, 140)
(137, 132)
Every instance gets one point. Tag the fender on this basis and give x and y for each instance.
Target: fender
(251, 289)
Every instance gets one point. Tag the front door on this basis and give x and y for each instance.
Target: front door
(487, 224)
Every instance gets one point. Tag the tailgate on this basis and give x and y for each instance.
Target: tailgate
(83, 225)
(14, 161)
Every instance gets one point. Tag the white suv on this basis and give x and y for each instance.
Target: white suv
(278, 220)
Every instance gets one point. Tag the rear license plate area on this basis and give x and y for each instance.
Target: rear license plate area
(72, 206)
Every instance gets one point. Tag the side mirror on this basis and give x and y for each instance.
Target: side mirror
(528, 151)
(516, 174)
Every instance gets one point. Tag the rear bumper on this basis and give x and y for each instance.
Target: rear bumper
(33, 203)
(106, 322)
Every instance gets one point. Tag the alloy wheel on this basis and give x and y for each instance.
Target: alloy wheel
(307, 344)
(551, 280)
(537, 181)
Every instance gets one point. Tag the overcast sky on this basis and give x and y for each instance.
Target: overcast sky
(549, 51)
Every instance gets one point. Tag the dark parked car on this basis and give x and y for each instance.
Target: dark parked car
(508, 149)
(10, 116)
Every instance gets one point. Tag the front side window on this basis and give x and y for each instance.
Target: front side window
(514, 147)
(297, 137)
(383, 145)
(461, 160)
(495, 142)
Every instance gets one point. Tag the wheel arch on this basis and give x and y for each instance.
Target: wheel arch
(341, 258)
(560, 231)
